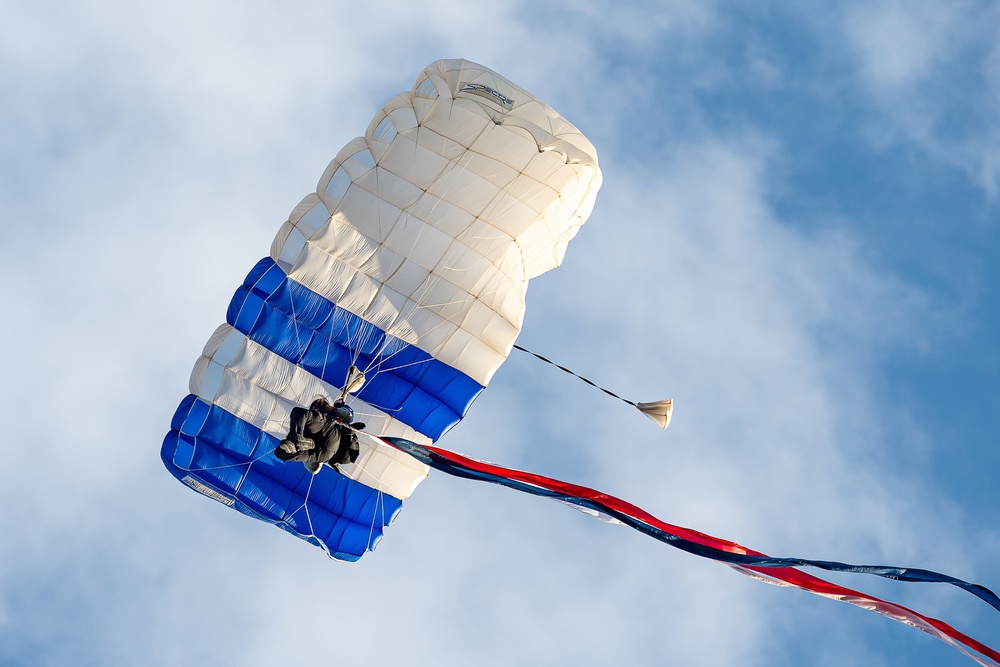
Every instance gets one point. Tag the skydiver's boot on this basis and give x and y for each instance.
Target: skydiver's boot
(292, 445)
(313, 466)
(286, 449)
(304, 444)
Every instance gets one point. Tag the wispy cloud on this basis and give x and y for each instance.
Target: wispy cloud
(928, 66)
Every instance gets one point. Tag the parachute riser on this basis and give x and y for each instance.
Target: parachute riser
(355, 379)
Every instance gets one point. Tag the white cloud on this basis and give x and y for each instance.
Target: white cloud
(166, 144)
(899, 44)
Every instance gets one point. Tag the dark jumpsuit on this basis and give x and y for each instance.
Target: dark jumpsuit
(329, 436)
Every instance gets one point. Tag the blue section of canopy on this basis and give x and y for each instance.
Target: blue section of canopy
(226, 458)
(308, 330)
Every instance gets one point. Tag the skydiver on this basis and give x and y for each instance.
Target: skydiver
(320, 434)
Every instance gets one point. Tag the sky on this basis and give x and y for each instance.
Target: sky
(796, 240)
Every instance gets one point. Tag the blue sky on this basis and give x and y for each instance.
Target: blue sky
(796, 240)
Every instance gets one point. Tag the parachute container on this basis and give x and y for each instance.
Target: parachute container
(410, 262)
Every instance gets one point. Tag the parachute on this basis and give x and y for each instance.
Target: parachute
(410, 262)
(399, 285)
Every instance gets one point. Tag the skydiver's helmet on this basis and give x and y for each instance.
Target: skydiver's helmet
(343, 412)
(321, 404)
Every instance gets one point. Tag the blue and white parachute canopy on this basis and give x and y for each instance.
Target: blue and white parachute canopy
(410, 261)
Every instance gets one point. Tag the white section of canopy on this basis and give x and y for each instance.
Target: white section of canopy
(431, 225)
(261, 388)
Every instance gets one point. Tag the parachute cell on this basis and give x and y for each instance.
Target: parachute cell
(410, 262)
